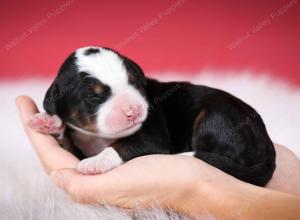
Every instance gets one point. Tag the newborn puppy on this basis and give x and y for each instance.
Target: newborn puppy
(102, 108)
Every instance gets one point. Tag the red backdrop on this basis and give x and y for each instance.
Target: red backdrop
(182, 35)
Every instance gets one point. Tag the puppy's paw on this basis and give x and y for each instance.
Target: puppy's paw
(47, 124)
(101, 163)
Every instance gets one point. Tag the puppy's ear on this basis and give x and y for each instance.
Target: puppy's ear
(136, 70)
(50, 100)
(61, 86)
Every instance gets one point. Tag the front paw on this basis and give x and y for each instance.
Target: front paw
(101, 163)
(47, 124)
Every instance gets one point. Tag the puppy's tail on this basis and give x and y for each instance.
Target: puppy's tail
(257, 174)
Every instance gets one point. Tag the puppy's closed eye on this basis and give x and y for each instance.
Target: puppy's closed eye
(94, 86)
(97, 93)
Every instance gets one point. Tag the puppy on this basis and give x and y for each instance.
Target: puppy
(102, 108)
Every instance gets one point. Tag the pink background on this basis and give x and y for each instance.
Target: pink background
(181, 35)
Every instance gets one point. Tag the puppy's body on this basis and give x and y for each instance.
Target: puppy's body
(116, 117)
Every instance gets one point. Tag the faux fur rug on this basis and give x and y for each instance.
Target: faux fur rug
(27, 193)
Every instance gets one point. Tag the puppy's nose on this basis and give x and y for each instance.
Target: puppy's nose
(132, 113)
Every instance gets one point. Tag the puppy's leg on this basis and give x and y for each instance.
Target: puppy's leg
(105, 161)
(231, 136)
(47, 124)
(53, 125)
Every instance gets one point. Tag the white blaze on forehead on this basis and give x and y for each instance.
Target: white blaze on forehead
(108, 67)
(105, 65)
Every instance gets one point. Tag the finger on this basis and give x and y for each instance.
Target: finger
(286, 177)
(286, 150)
(50, 153)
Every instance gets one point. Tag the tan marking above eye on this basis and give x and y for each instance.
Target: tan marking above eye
(131, 77)
(97, 88)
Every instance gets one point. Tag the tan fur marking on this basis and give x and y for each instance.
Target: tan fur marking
(97, 88)
(199, 118)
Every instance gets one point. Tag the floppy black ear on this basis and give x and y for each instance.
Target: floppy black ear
(50, 100)
(136, 70)
(62, 84)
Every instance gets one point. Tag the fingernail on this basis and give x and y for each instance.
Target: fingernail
(57, 178)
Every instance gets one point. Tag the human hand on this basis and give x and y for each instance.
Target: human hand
(163, 179)
(50, 153)
(183, 183)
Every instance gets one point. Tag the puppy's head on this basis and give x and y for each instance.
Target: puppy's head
(99, 91)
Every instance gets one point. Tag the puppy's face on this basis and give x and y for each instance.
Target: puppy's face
(99, 91)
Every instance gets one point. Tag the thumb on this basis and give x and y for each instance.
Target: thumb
(73, 183)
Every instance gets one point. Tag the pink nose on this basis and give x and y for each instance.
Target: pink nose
(132, 113)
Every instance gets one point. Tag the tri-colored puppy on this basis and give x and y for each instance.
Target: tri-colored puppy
(102, 108)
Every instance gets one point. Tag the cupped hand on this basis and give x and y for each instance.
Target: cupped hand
(50, 153)
(171, 181)
(167, 180)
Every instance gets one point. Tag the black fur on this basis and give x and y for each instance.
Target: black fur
(91, 51)
(223, 130)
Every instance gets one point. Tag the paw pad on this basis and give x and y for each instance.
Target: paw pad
(45, 123)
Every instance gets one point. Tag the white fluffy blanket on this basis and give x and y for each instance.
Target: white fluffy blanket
(27, 193)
